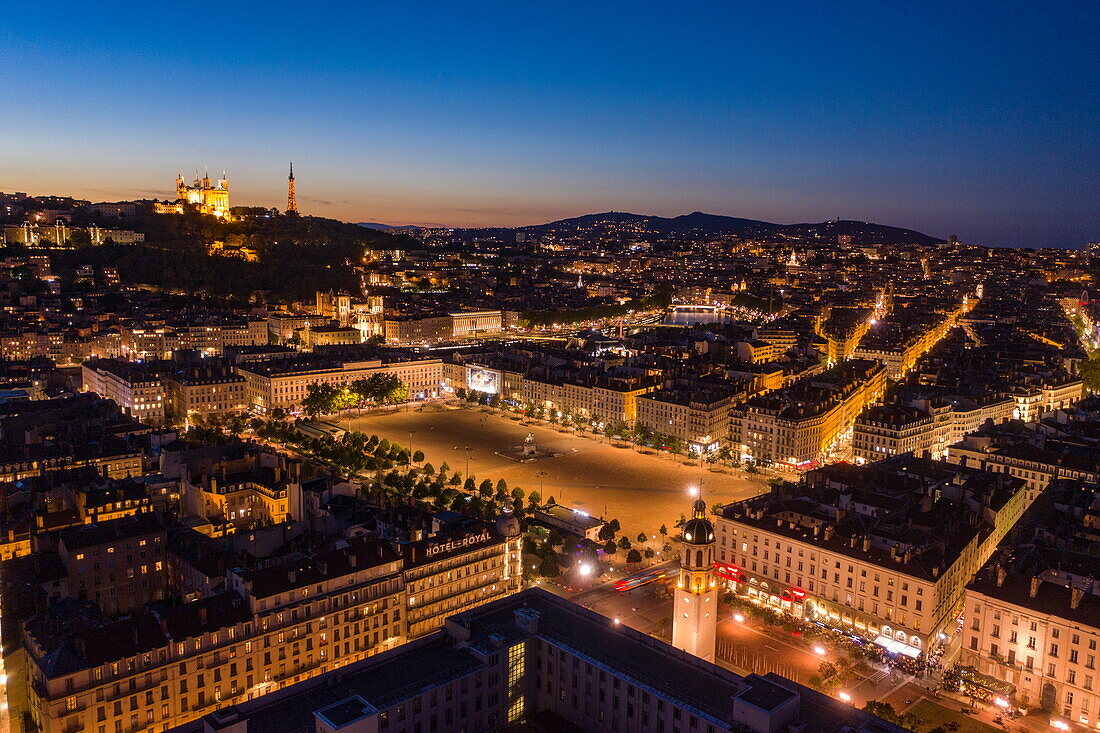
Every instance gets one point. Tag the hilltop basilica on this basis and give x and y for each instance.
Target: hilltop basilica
(207, 197)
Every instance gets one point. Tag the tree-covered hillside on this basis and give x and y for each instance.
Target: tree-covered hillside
(297, 255)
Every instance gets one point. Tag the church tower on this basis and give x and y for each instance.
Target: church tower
(695, 613)
(291, 200)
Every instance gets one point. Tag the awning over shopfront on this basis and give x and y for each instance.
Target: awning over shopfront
(897, 647)
(984, 681)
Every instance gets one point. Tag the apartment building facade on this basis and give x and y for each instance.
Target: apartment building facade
(284, 383)
(539, 658)
(1040, 634)
(1037, 468)
(888, 430)
(798, 424)
(137, 390)
(609, 401)
(699, 418)
(273, 625)
(201, 394)
(888, 563)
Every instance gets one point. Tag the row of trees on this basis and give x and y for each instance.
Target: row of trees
(351, 454)
(356, 453)
(1090, 372)
(550, 560)
(401, 474)
(377, 389)
(1090, 367)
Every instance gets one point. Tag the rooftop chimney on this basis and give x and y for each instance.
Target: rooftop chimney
(1000, 575)
(1075, 596)
(1036, 581)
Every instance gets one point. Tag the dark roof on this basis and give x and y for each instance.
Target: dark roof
(764, 694)
(96, 645)
(87, 535)
(332, 562)
(204, 615)
(386, 680)
(904, 488)
(445, 544)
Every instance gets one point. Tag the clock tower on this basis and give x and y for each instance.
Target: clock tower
(695, 614)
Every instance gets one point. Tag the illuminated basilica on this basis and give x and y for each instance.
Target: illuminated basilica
(207, 197)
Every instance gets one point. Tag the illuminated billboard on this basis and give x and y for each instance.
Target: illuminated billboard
(483, 380)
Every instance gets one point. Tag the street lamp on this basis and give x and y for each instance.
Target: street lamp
(819, 651)
(845, 697)
(738, 618)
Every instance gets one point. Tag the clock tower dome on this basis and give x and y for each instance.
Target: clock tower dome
(695, 614)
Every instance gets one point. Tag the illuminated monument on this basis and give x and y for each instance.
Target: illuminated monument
(695, 610)
(207, 197)
(291, 198)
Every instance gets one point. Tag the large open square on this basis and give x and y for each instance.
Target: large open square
(641, 490)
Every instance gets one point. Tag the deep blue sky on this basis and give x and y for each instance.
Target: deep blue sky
(980, 119)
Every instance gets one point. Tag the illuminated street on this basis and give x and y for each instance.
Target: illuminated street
(748, 646)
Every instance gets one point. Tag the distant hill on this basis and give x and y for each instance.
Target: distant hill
(387, 227)
(699, 223)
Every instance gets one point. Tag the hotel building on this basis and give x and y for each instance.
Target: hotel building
(451, 572)
(240, 625)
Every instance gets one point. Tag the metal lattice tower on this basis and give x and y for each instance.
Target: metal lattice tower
(291, 200)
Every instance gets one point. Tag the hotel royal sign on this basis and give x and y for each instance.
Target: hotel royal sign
(467, 541)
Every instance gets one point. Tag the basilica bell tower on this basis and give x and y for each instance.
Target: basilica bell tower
(695, 613)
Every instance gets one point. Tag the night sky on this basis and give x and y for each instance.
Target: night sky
(980, 119)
